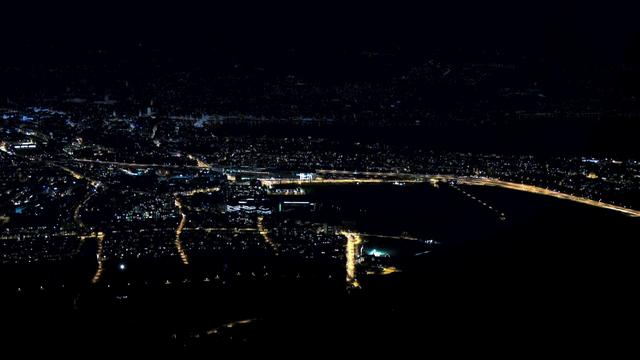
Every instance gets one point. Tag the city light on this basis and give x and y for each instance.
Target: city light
(352, 254)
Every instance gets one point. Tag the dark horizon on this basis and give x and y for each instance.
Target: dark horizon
(552, 28)
(567, 56)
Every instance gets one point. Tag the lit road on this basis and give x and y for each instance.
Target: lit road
(76, 211)
(265, 234)
(388, 270)
(183, 219)
(76, 217)
(99, 257)
(178, 242)
(136, 165)
(78, 176)
(353, 254)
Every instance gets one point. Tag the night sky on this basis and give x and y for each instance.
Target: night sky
(557, 30)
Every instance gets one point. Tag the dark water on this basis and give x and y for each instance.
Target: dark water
(537, 231)
(551, 268)
(551, 264)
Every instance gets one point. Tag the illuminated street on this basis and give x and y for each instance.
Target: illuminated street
(178, 243)
(352, 254)
(265, 234)
(99, 256)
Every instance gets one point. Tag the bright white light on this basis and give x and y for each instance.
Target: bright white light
(377, 253)
(122, 267)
